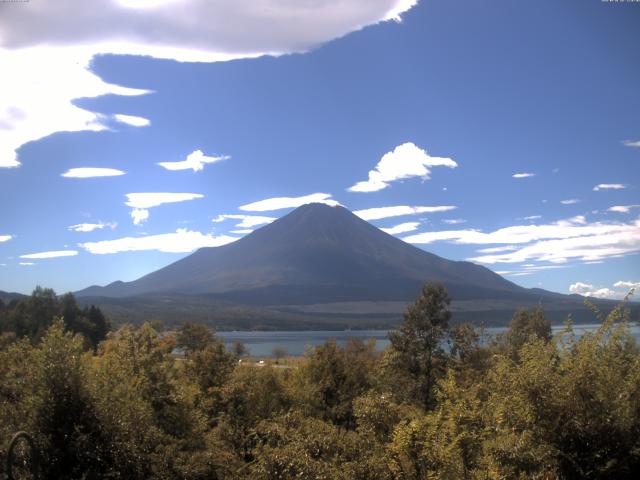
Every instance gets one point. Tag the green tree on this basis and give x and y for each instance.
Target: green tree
(333, 377)
(568, 412)
(31, 317)
(416, 347)
(525, 324)
(150, 409)
(90, 321)
(294, 446)
(250, 396)
(194, 337)
(210, 368)
(65, 422)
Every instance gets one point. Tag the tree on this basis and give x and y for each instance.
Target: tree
(239, 349)
(279, 353)
(417, 343)
(525, 325)
(249, 396)
(32, 316)
(332, 378)
(90, 321)
(467, 353)
(65, 422)
(210, 368)
(194, 337)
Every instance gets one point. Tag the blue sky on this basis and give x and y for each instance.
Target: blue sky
(433, 106)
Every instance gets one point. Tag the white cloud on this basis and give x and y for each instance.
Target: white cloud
(194, 161)
(556, 242)
(572, 227)
(139, 215)
(531, 217)
(621, 289)
(247, 221)
(506, 248)
(609, 186)
(40, 41)
(402, 228)
(591, 291)
(405, 161)
(181, 241)
(279, 203)
(52, 254)
(90, 227)
(506, 273)
(90, 172)
(26, 264)
(153, 199)
(189, 30)
(243, 231)
(627, 285)
(132, 120)
(537, 268)
(454, 221)
(571, 201)
(631, 143)
(622, 208)
(528, 269)
(141, 202)
(5, 238)
(399, 211)
(27, 110)
(523, 175)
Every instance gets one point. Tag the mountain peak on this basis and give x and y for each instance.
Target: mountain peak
(317, 253)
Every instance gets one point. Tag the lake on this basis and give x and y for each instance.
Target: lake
(261, 344)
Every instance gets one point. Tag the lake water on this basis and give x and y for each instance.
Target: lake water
(262, 344)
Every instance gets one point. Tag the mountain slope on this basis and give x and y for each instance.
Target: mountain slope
(315, 254)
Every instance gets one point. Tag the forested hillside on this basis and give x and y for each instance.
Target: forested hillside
(441, 402)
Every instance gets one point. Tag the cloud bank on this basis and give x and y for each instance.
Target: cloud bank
(558, 242)
(619, 291)
(405, 161)
(29, 112)
(60, 38)
(181, 241)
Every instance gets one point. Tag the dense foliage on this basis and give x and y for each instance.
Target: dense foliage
(32, 316)
(441, 402)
